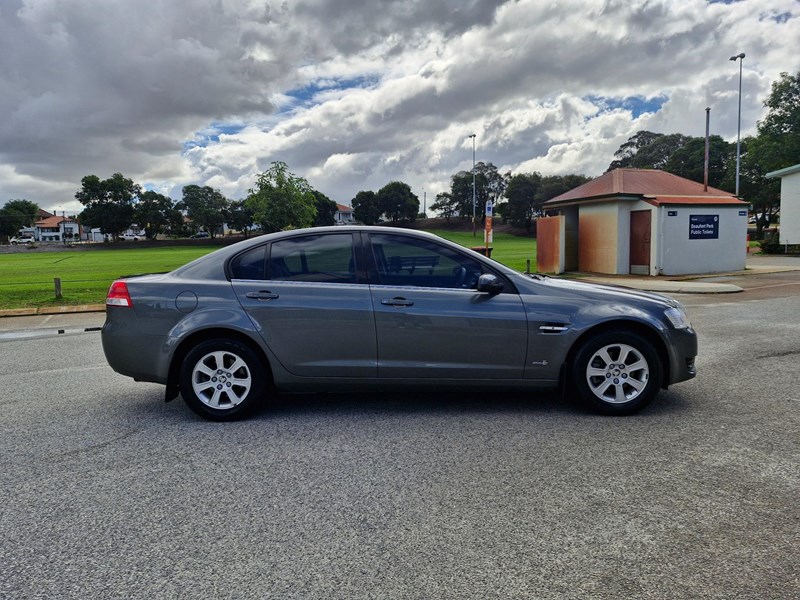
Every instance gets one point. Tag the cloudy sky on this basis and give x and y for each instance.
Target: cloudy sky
(353, 94)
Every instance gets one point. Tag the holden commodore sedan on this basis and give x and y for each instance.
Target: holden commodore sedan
(356, 308)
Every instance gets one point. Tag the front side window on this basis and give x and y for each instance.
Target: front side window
(406, 261)
(318, 258)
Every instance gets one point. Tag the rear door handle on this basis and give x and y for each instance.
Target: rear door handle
(262, 295)
(397, 302)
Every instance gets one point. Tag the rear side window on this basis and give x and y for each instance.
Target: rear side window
(319, 258)
(249, 265)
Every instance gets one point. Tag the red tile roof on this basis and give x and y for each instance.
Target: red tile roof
(656, 186)
(343, 208)
(49, 222)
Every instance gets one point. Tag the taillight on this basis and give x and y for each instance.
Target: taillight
(118, 295)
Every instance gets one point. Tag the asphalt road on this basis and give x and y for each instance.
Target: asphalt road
(108, 492)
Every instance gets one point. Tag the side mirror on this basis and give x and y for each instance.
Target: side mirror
(489, 284)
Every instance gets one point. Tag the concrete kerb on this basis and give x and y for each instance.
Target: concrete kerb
(52, 310)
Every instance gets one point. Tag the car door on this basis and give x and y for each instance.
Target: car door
(304, 295)
(432, 323)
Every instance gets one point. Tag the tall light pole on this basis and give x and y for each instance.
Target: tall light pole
(740, 58)
(474, 201)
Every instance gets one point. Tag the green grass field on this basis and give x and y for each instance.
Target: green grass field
(26, 278)
(511, 250)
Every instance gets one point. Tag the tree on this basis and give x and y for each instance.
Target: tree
(281, 200)
(16, 214)
(781, 126)
(555, 185)
(763, 194)
(153, 212)
(398, 202)
(648, 150)
(205, 206)
(326, 210)
(108, 202)
(776, 146)
(489, 184)
(365, 207)
(240, 216)
(689, 160)
(445, 205)
(524, 201)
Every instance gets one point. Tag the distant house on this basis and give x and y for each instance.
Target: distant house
(52, 228)
(789, 230)
(344, 215)
(643, 222)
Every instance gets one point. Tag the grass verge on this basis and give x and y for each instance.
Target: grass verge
(26, 279)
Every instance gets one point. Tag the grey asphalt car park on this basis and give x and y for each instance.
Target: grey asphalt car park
(109, 492)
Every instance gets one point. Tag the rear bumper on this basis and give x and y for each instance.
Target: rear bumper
(135, 354)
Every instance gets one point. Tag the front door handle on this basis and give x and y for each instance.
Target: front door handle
(397, 302)
(262, 295)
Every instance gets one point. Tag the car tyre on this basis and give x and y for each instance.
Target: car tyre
(222, 380)
(617, 372)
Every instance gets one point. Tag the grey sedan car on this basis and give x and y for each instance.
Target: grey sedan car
(354, 308)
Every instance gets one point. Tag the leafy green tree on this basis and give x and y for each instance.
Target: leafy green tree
(524, 200)
(398, 202)
(689, 161)
(445, 205)
(109, 202)
(776, 146)
(763, 194)
(205, 206)
(153, 212)
(365, 207)
(489, 184)
(240, 216)
(781, 126)
(281, 200)
(648, 150)
(16, 214)
(326, 210)
(555, 185)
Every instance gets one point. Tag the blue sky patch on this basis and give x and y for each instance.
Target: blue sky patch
(637, 105)
(305, 95)
(211, 135)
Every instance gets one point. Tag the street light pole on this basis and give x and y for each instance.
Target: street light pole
(740, 58)
(474, 201)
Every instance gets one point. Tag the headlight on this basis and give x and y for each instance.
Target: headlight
(678, 318)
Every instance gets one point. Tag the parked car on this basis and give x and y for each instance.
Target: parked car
(354, 308)
(201, 235)
(14, 241)
(133, 237)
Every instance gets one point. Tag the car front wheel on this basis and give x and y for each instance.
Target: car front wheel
(617, 372)
(222, 380)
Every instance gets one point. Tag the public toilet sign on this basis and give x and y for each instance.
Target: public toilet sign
(703, 227)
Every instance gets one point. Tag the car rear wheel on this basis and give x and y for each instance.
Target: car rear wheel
(617, 372)
(222, 380)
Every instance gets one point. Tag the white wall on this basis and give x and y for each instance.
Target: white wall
(681, 255)
(790, 209)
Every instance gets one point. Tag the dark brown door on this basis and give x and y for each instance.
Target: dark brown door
(640, 242)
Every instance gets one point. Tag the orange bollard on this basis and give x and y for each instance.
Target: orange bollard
(748, 243)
